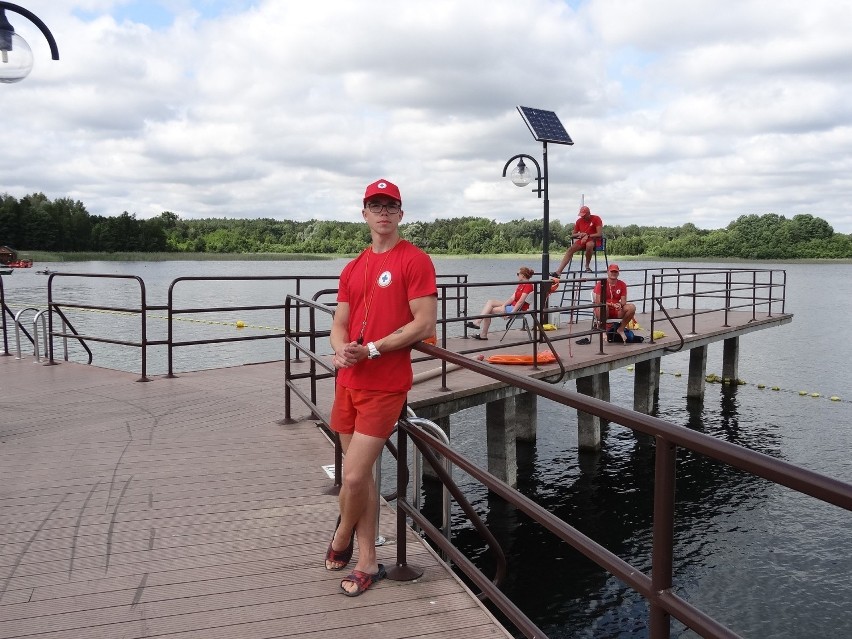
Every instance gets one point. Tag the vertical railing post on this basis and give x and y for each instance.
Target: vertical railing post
(3, 318)
(143, 311)
(444, 387)
(728, 276)
(754, 295)
(402, 571)
(661, 560)
(653, 306)
(694, 299)
(298, 317)
(170, 333)
(312, 315)
(287, 349)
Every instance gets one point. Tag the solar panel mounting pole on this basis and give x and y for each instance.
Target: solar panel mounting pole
(545, 127)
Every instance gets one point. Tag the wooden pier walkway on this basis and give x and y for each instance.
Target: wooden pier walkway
(181, 508)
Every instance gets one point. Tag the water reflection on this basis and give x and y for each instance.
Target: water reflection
(721, 522)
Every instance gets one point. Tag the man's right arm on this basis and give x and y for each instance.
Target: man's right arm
(339, 336)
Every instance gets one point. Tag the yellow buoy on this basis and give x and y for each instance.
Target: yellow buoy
(775, 388)
(630, 368)
(814, 394)
(834, 398)
(677, 374)
(803, 393)
(761, 386)
(241, 324)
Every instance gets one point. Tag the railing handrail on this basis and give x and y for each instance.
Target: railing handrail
(657, 587)
(453, 289)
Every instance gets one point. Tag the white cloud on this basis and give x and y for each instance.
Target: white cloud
(679, 111)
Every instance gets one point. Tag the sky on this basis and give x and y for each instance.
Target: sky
(680, 112)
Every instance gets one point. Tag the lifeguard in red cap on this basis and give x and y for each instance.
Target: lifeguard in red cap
(617, 306)
(387, 301)
(588, 234)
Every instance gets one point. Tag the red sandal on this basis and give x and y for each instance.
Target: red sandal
(362, 580)
(343, 557)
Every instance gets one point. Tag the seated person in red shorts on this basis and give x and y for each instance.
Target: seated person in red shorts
(588, 233)
(617, 305)
(518, 302)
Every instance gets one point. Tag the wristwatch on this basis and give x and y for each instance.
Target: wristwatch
(373, 352)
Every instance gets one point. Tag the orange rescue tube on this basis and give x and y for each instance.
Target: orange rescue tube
(545, 357)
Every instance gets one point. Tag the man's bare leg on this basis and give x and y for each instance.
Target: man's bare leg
(566, 259)
(590, 250)
(358, 500)
(628, 311)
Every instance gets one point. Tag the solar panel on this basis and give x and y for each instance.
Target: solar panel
(545, 125)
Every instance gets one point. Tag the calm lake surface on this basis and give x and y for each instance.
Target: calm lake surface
(761, 559)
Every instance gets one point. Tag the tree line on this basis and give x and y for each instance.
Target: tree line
(63, 225)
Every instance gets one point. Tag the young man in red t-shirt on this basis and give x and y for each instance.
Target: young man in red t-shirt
(588, 233)
(386, 301)
(617, 305)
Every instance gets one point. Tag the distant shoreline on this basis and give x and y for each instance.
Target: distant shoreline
(533, 258)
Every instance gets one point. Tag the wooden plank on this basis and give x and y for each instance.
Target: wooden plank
(181, 507)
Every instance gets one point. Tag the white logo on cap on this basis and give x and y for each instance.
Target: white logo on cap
(384, 279)
(382, 185)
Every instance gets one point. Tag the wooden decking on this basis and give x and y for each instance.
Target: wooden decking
(181, 508)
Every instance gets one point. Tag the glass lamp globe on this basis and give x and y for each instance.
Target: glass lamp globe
(522, 175)
(16, 57)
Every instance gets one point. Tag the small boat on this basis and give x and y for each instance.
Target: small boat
(6, 271)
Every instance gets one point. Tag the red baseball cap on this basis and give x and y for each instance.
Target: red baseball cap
(583, 211)
(382, 187)
(613, 267)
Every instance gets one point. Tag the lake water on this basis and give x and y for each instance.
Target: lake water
(761, 559)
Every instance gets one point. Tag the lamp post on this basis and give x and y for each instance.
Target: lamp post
(16, 57)
(545, 127)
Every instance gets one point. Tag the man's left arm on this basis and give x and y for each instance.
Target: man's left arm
(425, 312)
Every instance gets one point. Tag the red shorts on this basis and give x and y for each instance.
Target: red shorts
(368, 412)
(582, 243)
(613, 312)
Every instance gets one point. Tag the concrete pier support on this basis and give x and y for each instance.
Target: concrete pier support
(646, 385)
(697, 373)
(500, 433)
(589, 426)
(731, 358)
(526, 416)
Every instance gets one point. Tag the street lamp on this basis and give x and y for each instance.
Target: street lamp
(16, 57)
(545, 127)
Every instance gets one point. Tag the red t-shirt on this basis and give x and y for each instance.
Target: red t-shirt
(393, 279)
(590, 226)
(614, 292)
(522, 288)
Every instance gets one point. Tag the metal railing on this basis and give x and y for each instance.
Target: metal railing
(701, 289)
(656, 588)
(56, 307)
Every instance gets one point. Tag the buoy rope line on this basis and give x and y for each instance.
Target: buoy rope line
(238, 323)
(712, 378)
